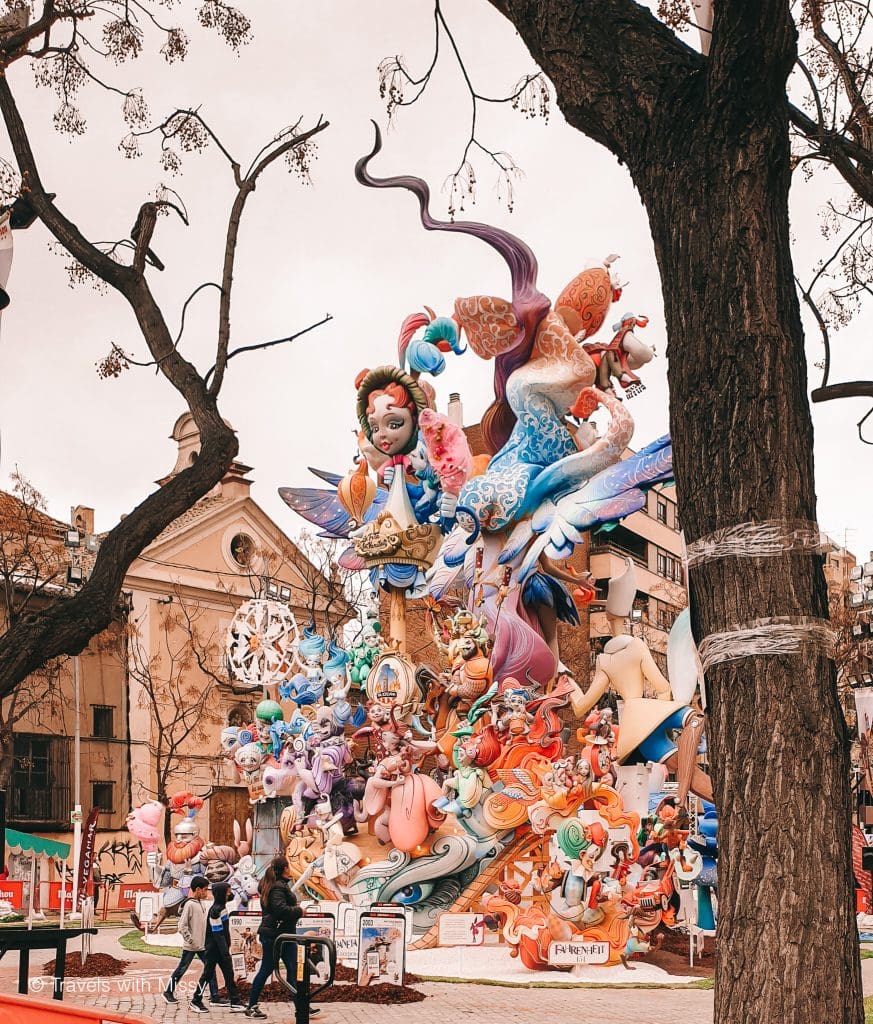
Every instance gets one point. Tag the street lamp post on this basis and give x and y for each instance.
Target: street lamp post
(75, 578)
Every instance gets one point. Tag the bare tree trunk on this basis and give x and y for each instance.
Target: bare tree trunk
(742, 448)
(706, 143)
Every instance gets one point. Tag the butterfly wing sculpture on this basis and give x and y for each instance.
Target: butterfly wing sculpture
(322, 508)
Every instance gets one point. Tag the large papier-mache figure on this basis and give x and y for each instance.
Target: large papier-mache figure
(460, 772)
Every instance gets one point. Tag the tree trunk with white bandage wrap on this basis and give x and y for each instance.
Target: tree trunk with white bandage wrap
(706, 143)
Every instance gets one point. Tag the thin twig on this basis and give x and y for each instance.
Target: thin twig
(271, 344)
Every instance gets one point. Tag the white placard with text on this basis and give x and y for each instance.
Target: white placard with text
(461, 929)
(568, 954)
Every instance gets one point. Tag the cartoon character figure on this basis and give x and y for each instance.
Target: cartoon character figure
(364, 653)
(338, 686)
(470, 779)
(618, 358)
(705, 842)
(626, 667)
(427, 477)
(249, 760)
(267, 714)
(400, 798)
(338, 858)
(142, 823)
(173, 878)
(513, 720)
(389, 402)
(217, 862)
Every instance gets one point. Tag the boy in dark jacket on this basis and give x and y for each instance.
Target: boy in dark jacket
(217, 951)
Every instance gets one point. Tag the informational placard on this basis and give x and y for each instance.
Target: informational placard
(397, 908)
(346, 936)
(346, 947)
(461, 929)
(323, 907)
(147, 904)
(245, 946)
(381, 949)
(569, 954)
(322, 925)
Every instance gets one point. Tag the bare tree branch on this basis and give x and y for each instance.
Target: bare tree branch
(271, 344)
(245, 187)
(65, 628)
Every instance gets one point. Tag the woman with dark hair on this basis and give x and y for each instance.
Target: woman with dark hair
(217, 951)
(280, 916)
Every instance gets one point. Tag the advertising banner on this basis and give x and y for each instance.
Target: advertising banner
(86, 855)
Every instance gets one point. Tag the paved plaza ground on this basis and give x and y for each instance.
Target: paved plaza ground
(138, 992)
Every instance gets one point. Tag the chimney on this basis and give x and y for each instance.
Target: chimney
(82, 519)
(235, 483)
(455, 410)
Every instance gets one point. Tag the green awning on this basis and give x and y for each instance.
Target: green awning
(23, 842)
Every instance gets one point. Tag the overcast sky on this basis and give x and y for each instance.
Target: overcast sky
(335, 247)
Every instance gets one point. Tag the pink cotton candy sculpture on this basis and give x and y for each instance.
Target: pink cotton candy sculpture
(447, 449)
(142, 824)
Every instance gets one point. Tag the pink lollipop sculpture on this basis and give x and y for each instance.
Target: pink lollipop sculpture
(142, 824)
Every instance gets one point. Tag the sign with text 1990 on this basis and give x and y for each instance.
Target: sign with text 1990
(566, 954)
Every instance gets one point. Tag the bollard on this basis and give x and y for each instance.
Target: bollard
(301, 963)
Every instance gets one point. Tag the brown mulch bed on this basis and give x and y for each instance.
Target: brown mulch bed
(383, 994)
(671, 955)
(97, 965)
(342, 991)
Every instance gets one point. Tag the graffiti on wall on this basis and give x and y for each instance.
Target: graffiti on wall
(119, 859)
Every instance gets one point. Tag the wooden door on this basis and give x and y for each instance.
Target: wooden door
(226, 805)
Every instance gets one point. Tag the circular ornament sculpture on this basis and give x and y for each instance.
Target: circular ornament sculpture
(392, 682)
(261, 644)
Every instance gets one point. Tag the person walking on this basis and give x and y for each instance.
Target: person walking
(97, 879)
(217, 951)
(280, 916)
(192, 928)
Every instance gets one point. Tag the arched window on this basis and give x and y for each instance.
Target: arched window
(240, 715)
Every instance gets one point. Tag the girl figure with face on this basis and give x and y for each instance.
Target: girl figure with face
(388, 405)
(391, 420)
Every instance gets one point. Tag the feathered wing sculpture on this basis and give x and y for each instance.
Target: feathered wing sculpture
(449, 564)
(558, 524)
(518, 785)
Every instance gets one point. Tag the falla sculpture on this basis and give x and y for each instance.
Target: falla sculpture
(427, 785)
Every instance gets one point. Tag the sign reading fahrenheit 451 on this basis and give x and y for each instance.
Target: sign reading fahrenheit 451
(567, 954)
